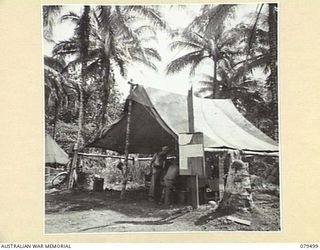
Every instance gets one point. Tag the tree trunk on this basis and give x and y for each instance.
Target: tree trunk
(215, 83)
(273, 38)
(126, 151)
(79, 142)
(73, 169)
(237, 193)
(80, 120)
(83, 33)
(106, 91)
(55, 119)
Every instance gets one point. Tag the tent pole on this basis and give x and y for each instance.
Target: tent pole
(73, 168)
(126, 146)
(193, 178)
(190, 110)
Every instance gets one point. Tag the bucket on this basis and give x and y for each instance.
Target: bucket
(98, 184)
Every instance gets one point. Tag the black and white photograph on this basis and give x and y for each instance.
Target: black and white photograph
(161, 118)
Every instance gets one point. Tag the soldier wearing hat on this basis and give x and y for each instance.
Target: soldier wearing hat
(157, 166)
(170, 180)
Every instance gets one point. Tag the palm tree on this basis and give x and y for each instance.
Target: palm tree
(76, 70)
(58, 89)
(206, 37)
(220, 51)
(262, 53)
(114, 43)
(236, 53)
(83, 33)
(273, 41)
(118, 43)
(81, 40)
(211, 20)
(49, 14)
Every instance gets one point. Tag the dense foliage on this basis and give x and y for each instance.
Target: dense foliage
(236, 52)
(80, 86)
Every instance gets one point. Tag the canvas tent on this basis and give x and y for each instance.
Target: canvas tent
(159, 116)
(54, 153)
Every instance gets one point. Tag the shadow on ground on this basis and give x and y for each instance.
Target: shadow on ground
(88, 211)
(135, 205)
(163, 221)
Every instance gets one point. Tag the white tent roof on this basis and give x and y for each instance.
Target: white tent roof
(54, 153)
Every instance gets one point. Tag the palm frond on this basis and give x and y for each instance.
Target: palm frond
(49, 14)
(121, 65)
(195, 37)
(71, 16)
(230, 38)
(183, 61)
(55, 81)
(144, 61)
(54, 63)
(195, 64)
(137, 52)
(217, 16)
(152, 53)
(66, 47)
(103, 17)
(199, 22)
(259, 62)
(57, 85)
(118, 57)
(252, 58)
(151, 13)
(122, 25)
(142, 30)
(96, 36)
(212, 18)
(183, 45)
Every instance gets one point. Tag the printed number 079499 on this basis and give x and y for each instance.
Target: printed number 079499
(313, 246)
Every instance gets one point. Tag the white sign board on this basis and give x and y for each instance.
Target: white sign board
(191, 154)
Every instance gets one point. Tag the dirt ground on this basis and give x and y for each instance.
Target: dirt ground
(92, 212)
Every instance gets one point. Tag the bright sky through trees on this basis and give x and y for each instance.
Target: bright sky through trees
(178, 17)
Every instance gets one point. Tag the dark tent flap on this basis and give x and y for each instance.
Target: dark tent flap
(147, 133)
(159, 116)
